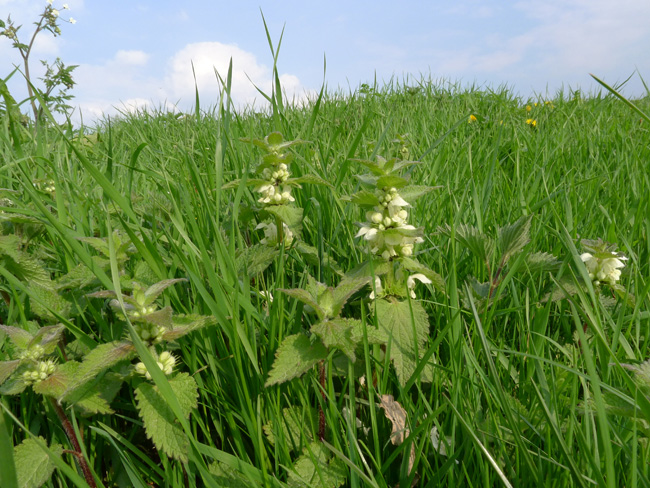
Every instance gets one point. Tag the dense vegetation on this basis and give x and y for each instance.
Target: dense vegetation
(529, 373)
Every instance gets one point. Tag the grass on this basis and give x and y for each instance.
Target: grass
(523, 388)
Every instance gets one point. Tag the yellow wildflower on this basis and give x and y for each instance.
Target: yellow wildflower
(531, 122)
(472, 118)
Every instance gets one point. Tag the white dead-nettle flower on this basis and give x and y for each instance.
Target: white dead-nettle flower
(604, 268)
(271, 233)
(410, 282)
(165, 361)
(378, 290)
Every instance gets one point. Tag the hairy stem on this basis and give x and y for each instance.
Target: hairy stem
(72, 437)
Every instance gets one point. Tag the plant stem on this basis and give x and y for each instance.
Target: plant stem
(321, 412)
(72, 437)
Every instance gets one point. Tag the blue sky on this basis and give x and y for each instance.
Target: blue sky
(139, 53)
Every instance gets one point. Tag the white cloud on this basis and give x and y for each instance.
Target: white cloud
(101, 91)
(132, 58)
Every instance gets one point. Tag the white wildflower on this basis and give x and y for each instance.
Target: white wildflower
(410, 282)
(377, 290)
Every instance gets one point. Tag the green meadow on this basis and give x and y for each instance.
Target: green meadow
(155, 334)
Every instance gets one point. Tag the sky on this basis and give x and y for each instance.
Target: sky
(139, 54)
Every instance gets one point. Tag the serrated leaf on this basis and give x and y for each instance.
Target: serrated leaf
(413, 192)
(184, 324)
(20, 337)
(99, 359)
(539, 262)
(391, 181)
(156, 289)
(48, 337)
(292, 216)
(7, 368)
(377, 168)
(255, 259)
(293, 427)
(99, 394)
(308, 178)
(15, 384)
(371, 268)
(305, 297)
(295, 356)
(514, 237)
(162, 317)
(33, 465)
(436, 280)
(345, 289)
(337, 333)
(310, 254)
(472, 238)
(363, 198)
(46, 302)
(405, 332)
(160, 424)
(317, 469)
(227, 477)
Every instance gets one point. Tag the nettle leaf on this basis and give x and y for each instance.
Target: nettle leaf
(370, 268)
(295, 426)
(313, 179)
(375, 335)
(539, 262)
(102, 357)
(377, 168)
(48, 337)
(227, 477)
(363, 198)
(295, 356)
(305, 297)
(255, 259)
(392, 181)
(310, 254)
(345, 289)
(473, 239)
(184, 324)
(513, 238)
(15, 384)
(316, 468)
(436, 280)
(46, 301)
(56, 384)
(162, 317)
(33, 464)
(22, 265)
(160, 424)
(413, 192)
(368, 180)
(407, 332)
(337, 333)
(97, 396)
(7, 368)
(152, 293)
(292, 216)
(20, 337)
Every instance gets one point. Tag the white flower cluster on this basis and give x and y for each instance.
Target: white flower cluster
(378, 290)
(151, 333)
(604, 267)
(390, 214)
(41, 371)
(271, 234)
(274, 191)
(34, 353)
(165, 361)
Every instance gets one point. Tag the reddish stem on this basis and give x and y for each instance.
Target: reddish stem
(72, 437)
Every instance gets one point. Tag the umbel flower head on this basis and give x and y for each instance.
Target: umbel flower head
(603, 263)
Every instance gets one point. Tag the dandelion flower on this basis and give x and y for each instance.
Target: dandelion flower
(472, 118)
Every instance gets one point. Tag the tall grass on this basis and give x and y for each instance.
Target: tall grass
(520, 391)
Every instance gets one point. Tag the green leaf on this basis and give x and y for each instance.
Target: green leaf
(156, 289)
(162, 317)
(295, 356)
(337, 333)
(255, 259)
(292, 427)
(46, 302)
(184, 324)
(33, 465)
(99, 395)
(473, 239)
(413, 192)
(227, 477)
(317, 469)
(20, 337)
(405, 333)
(513, 238)
(540, 262)
(292, 216)
(15, 384)
(48, 337)
(305, 297)
(392, 181)
(345, 289)
(363, 198)
(56, 384)
(102, 357)
(313, 179)
(436, 280)
(160, 423)
(7, 368)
